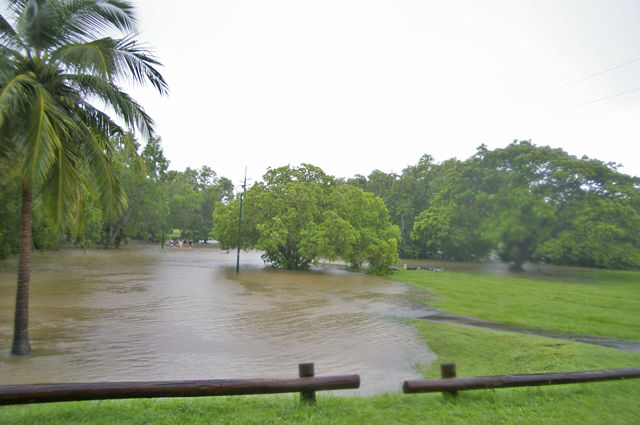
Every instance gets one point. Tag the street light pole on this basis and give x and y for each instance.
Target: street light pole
(244, 187)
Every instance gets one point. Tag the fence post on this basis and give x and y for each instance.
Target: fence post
(306, 370)
(448, 370)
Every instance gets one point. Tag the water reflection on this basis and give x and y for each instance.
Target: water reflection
(140, 313)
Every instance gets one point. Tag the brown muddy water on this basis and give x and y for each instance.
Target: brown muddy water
(141, 313)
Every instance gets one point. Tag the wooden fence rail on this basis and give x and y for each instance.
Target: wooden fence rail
(450, 384)
(306, 386)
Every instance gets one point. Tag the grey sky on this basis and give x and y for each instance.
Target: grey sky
(357, 85)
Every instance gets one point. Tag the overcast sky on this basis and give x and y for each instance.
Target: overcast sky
(357, 85)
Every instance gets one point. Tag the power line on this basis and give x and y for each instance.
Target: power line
(601, 99)
(594, 40)
(590, 76)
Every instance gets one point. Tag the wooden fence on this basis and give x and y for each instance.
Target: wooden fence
(307, 384)
(449, 384)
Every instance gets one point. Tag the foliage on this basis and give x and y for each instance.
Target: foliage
(526, 202)
(451, 226)
(299, 215)
(55, 66)
(9, 215)
(405, 195)
(193, 196)
(147, 194)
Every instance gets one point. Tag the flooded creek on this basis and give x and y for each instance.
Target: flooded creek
(141, 313)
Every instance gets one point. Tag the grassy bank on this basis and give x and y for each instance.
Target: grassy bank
(476, 352)
(594, 302)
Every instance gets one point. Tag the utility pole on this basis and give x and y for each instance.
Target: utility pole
(244, 187)
(163, 235)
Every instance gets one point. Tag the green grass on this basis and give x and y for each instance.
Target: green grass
(594, 302)
(485, 352)
(475, 351)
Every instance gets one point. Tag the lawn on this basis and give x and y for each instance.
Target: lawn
(593, 302)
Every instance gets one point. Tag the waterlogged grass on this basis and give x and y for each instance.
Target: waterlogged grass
(593, 302)
(479, 352)
(475, 351)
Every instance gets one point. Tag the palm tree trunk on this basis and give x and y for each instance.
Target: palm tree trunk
(21, 344)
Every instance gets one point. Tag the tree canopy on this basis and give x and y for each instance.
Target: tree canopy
(526, 202)
(299, 215)
(522, 203)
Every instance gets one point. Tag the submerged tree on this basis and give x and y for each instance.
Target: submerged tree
(299, 215)
(55, 66)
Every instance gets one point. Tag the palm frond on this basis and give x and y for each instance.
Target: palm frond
(95, 57)
(15, 6)
(131, 149)
(109, 186)
(8, 34)
(15, 90)
(98, 120)
(8, 57)
(8, 151)
(54, 62)
(113, 59)
(87, 19)
(36, 25)
(120, 14)
(41, 138)
(133, 60)
(63, 187)
(53, 23)
(122, 104)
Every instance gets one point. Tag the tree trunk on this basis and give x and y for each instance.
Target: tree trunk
(113, 235)
(516, 266)
(21, 344)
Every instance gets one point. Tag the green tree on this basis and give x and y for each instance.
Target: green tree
(299, 215)
(561, 208)
(451, 226)
(147, 194)
(519, 222)
(360, 229)
(194, 194)
(526, 202)
(55, 65)
(603, 234)
(405, 195)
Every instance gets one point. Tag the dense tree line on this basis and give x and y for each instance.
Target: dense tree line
(522, 202)
(157, 199)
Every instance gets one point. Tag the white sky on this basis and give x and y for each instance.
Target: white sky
(357, 85)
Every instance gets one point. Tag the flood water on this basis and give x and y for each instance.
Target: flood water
(141, 313)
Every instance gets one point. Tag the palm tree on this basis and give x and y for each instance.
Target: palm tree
(55, 67)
